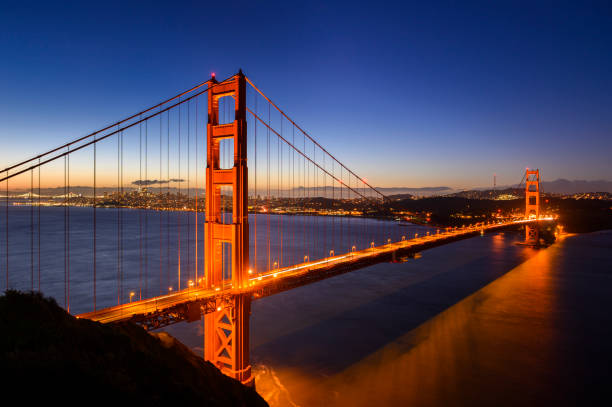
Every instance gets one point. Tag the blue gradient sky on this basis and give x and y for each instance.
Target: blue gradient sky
(406, 94)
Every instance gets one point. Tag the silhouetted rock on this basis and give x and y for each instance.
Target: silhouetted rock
(48, 355)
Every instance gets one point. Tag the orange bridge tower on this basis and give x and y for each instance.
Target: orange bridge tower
(226, 259)
(532, 205)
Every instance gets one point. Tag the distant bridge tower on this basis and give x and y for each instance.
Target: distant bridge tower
(532, 205)
(226, 261)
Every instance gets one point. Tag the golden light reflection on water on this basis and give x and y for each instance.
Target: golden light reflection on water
(495, 342)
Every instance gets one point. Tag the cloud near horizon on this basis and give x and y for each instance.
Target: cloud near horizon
(146, 182)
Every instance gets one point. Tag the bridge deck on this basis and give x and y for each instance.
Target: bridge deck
(188, 304)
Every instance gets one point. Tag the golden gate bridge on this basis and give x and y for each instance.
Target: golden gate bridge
(211, 233)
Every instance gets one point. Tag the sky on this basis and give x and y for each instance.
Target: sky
(407, 94)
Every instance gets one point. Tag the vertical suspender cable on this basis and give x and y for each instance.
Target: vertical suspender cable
(146, 215)
(68, 232)
(94, 224)
(188, 190)
(196, 191)
(279, 180)
(39, 221)
(178, 199)
(7, 229)
(159, 201)
(268, 191)
(140, 261)
(65, 241)
(168, 202)
(121, 214)
(293, 245)
(255, 268)
(340, 248)
(304, 203)
(307, 202)
(118, 203)
(316, 194)
(32, 230)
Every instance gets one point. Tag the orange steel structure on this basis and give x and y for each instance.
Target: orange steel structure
(532, 205)
(226, 329)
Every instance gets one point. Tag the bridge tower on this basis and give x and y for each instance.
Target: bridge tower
(532, 205)
(226, 260)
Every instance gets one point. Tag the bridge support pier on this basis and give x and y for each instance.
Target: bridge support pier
(226, 257)
(226, 338)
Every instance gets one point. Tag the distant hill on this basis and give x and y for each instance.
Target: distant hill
(559, 186)
(564, 186)
(424, 191)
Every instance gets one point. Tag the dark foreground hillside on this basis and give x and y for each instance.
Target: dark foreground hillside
(48, 355)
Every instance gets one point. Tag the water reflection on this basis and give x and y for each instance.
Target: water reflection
(471, 352)
(536, 335)
(479, 322)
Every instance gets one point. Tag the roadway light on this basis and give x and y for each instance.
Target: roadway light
(353, 248)
(132, 295)
(250, 271)
(218, 308)
(389, 241)
(190, 282)
(416, 235)
(403, 238)
(306, 258)
(170, 288)
(331, 253)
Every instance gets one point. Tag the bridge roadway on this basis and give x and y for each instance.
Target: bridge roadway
(188, 304)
